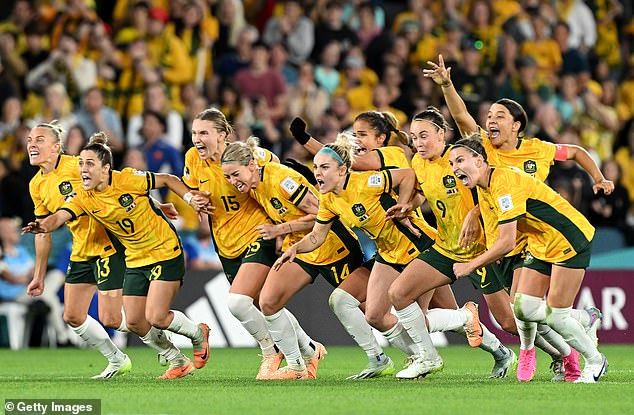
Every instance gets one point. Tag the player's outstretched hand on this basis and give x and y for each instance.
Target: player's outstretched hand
(606, 185)
(438, 73)
(34, 227)
(288, 256)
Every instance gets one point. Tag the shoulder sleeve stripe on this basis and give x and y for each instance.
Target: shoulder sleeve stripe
(150, 181)
(512, 219)
(388, 181)
(299, 194)
(72, 214)
(325, 222)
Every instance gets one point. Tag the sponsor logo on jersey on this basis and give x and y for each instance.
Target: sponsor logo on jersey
(530, 166)
(528, 258)
(449, 181)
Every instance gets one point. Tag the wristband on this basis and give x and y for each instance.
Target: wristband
(187, 197)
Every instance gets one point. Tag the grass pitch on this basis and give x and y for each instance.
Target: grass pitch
(227, 385)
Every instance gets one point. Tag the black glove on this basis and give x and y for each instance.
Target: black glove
(298, 130)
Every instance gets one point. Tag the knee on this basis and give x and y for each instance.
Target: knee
(111, 320)
(557, 319)
(398, 297)
(157, 318)
(135, 326)
(74, 319)
(340, 301)
(270, 303)
(376, 319)
(239, 305)
(529, 308)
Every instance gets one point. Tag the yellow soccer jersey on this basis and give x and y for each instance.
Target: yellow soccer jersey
(555, 230)
(279, 193)
(49, 193)
(392, 157)
(125, 209)
(362, 204)
(532, 156)
(450, 201)
(237, 214)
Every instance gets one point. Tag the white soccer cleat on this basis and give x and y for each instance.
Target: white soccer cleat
(592, 373)
(557, 366)
(115, 369)
(375, 370)
(421, 367)
(502, 366)
(595, 322)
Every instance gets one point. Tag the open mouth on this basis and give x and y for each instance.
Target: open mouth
(462, 177)
(201, 149)
(240, 186)
(85, 180)
(494, 133)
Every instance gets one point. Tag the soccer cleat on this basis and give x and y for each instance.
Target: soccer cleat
(161, 359)
(421, 367)
(527, 365)
(557, 366)
(115, 369)
(186, 368)
(592, 373)
(502, 366)
(375, 370)
(571, 366)
(472, 327)
(595, 322)
(313, 362)
(201, 350)
(287, 373)
(270, 363)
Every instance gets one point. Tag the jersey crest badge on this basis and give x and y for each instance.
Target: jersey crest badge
(449, 181)
(127, 201)
(65, 188)
(530, 167)
(277, 204)
(359, 211)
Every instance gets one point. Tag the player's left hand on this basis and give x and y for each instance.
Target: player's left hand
(33, 227)
(399, 211)
(606, 185)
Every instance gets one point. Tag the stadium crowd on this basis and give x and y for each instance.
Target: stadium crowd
(140, 70)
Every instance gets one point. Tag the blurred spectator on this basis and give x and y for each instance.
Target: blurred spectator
(230, 14)
(331, 27)
(368, 28)
(307, 99)
(14, 184)
(470, 81)
(293, 30)
(94, 116)
(567, 100)
(599, 124)
(260, 80)
(232, 62)
(279, 62)
(255, 119)
(357, 83)
(75, 141)
(543, 49)
(426, 46)
(381, 103)
(612, 210)
(155, 99)
(18, 272)
(583, 28)
(161, 156)
(608, 46)
(326, 74)
(66, 65)
(484, 30)
(340, 108)
(35, 51)
(573, 62)
(76, 17)
(9, 123)
(625, 94)
(14, 66)
(625, 157)
(526, 86)
(199, 250)
(8, 88)
(229, 103)
(57, 106)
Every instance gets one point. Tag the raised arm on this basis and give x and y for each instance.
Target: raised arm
(581, 156)
(48, 224)
(299, 133)
(442, 76)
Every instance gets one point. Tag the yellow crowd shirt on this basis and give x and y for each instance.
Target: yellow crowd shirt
(280, 192)
(362, 204)
(49, 193)
(450, 201)
(555, 230)
(237, 214)
(126, 210)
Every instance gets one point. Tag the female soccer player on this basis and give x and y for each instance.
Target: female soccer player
(505, 146)
(246, 257)
(450, 202)
(95, 260)
(120, 202)
(292, 203)
(360, 200)
(559, 241)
